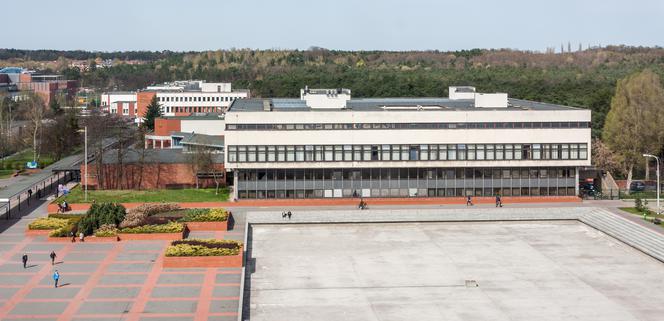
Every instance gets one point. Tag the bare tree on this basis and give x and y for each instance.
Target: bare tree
(35, 114)
(201, 160)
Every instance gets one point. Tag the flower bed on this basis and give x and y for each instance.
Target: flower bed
(204, 219)
(169, 231)
(204, 253)
(47, 226)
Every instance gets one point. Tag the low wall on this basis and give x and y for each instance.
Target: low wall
(207, 226)
(203, 261)
(81, 207)
(150, 236)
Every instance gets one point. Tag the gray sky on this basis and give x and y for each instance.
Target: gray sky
(338, 24)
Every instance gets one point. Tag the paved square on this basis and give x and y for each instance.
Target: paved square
(524, 271)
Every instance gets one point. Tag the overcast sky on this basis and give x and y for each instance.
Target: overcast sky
(337, 24)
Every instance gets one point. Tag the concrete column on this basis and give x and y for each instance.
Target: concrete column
(162, 144)
(154, 144)
(235, 185)
(576, 180)
(146, 144)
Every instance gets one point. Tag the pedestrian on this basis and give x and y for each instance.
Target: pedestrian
(39, 193)
(499, 202)
(53, 256)
(283, 215)
(56, 278)
(289, 214)
(29, 192)
(469, 201)
(81, 237)
(73, 236)
(25, 260)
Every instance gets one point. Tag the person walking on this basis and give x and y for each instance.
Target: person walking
(289, 215)
(499, 202)
(25, 260)
(56, 278)
(53, 256)
(81, 237)
(73, 236)
(29, 192)
(469, 201)
(283, 215)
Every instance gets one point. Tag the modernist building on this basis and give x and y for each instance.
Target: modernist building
(179, 98)
(48, 87)
(326, 144)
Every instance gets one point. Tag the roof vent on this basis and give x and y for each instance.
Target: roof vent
(267, 105)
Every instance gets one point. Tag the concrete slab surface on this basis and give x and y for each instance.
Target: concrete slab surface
(562, 270)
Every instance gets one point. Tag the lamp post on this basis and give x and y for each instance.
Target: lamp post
(657, 160)
(85, 151)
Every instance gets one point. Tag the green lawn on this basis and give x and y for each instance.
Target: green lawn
(644, 195)
(136, 196)
(634, 211)
(4, 173)
(24, 157)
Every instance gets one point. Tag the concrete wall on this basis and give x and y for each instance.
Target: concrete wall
(148, 176)
(207, 127)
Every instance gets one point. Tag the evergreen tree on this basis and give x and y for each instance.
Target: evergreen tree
(153, 111)
(54, 105)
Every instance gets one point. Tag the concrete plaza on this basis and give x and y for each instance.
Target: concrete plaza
(562, 270)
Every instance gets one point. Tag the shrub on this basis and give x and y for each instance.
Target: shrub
(67, 216)
(205, 215)
(196, 247)
(170, 227)
(66, 231)
(139, 215)
(101, 214)
(640, 205)
(106, 230)
(48, 223)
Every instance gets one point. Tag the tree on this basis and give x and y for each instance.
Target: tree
(35, 111)
(153, 111)
(632, 125)
(54, 105)
(201, 160)
(61, 135)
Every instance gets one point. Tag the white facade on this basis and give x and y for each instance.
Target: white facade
(206, 127)
(109, 98)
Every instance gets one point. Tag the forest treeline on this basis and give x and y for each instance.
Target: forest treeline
(585, 78)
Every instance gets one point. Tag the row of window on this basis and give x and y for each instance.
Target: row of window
(198, 98)
(485, 125)
(198, 109)
(407, 192)
(378, 174)
(348, 153)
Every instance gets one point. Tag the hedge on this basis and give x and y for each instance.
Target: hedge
(198, 247)
(171, 227)
(48, 223)
(205, 215)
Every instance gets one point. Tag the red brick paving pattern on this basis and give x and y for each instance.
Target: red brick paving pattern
(75, 307)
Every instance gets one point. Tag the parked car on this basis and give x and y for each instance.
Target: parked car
(637, 186)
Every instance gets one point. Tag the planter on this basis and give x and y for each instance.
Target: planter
(29, 232)
(233, 261)
(207, 226)
(150, 236)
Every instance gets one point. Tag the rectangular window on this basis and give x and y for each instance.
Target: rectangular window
(232, 154)
(433, 152)
(385, 153)
(451, 152)
(583, 151)
(574, 151)
(517, 151)
(564, 151)
(299, 153)
(271, 154)
(242, 154)
(537, 151)
(357, 152)
(329, 153)
(348, 153)
(290, 153)
(371, 152)
(251, 153)
(461, 152)
(480, 152)
(338, 153)
(500, 152)
(490, 155)
(405, 152)
(414, 153)
(442, 152)
(281, 153)
(424, 152)
(396, 152)
(471, 152)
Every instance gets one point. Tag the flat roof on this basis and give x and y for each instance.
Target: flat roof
(198, 116)
(386, 104)
(203, 140)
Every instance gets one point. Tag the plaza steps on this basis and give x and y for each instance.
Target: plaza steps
(630, 233)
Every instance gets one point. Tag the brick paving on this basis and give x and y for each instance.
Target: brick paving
(109, 281)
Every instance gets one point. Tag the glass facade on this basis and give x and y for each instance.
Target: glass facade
(421, 152)
(404, 182)
(365, 126)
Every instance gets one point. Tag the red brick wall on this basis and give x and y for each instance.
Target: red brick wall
(143, 99)
(164, 127)
(149, 176)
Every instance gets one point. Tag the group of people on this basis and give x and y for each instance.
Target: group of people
(499, 201)
(53, 256)
(362, 205)
(285, 215)
(63, 207)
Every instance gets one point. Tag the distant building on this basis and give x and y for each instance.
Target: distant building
(180, 98)
(48, 87)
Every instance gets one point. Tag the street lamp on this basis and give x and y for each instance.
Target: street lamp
(657, 160)
(85, 179)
